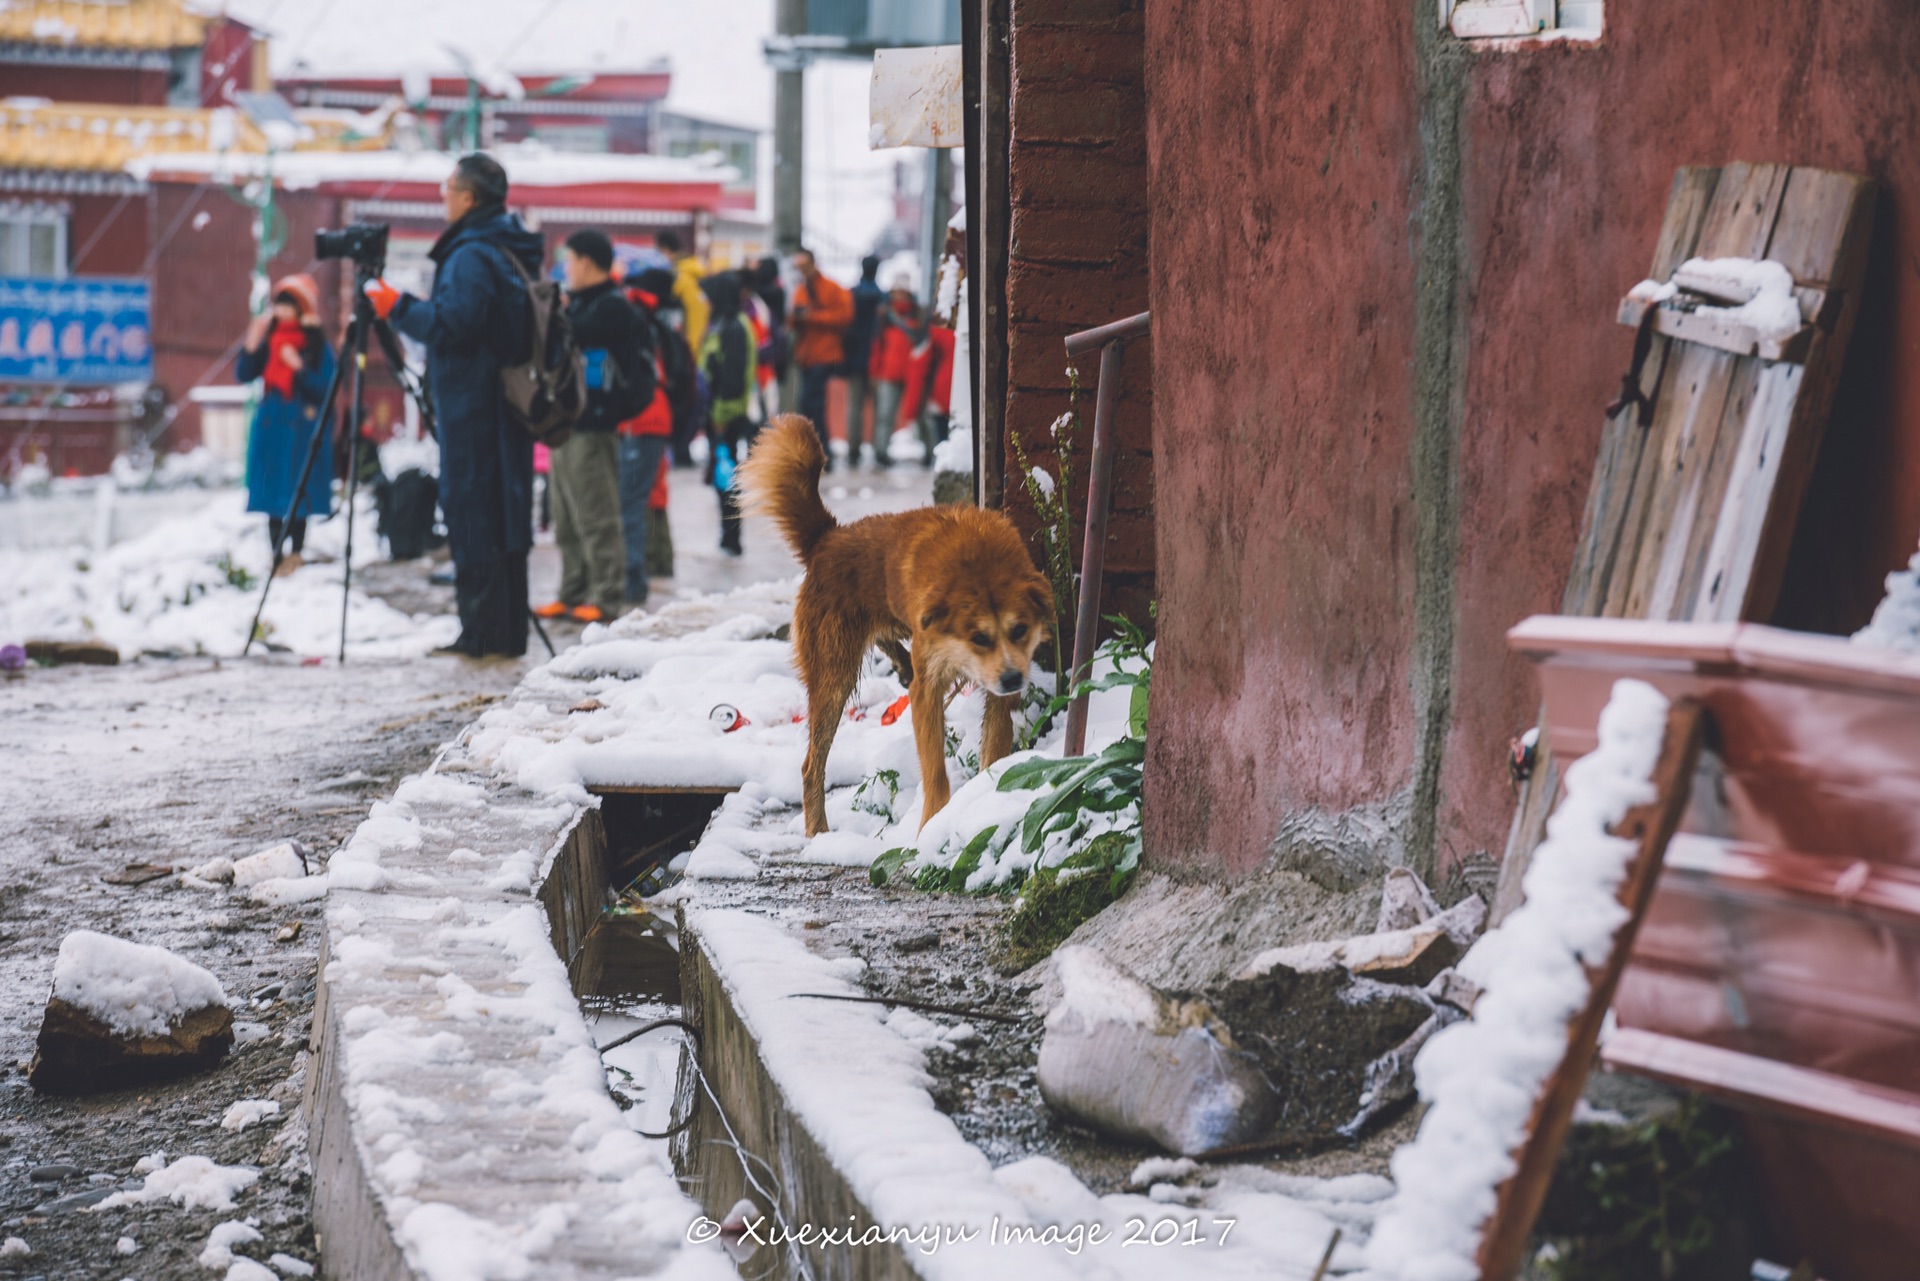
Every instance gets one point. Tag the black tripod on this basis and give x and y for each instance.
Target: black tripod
(353, 347)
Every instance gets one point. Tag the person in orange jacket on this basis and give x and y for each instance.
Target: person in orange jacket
(819, 313)
(930, 387)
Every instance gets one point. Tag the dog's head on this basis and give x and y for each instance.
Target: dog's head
(985, 629)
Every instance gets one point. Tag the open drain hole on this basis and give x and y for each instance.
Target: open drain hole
(623, 959)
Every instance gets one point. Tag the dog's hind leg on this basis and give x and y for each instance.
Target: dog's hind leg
(896, 654)
(831, 668)
(930, 735)
(996, 729)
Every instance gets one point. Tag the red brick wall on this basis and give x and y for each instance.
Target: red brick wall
(1078, 187)
(201, 280)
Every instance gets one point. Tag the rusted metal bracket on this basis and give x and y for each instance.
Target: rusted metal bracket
(1110, 340)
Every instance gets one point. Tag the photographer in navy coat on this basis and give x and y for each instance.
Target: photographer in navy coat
(475, 322)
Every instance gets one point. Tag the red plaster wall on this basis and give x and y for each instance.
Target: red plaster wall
(1286, 151)
(1078, 185)
(1283, 338)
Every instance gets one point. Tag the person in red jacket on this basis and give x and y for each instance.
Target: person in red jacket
(930, 387)
(896, 331)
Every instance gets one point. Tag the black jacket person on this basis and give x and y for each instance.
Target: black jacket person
(475, 321)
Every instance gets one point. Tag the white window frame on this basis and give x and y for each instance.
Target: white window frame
(1522, 19)
(27, 215)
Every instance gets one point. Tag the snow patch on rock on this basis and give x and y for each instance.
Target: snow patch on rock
(134, 989)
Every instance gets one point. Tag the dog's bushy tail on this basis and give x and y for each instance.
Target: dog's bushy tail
(781, 478)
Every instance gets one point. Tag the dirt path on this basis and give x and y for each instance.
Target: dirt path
(185, 760)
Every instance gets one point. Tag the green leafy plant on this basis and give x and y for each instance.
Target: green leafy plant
(236, 575)
(878, 793)
(1664, 1199)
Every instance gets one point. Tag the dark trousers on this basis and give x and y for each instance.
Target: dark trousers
(813, 401)
(296, 532)
(491, 596)
(737, 434)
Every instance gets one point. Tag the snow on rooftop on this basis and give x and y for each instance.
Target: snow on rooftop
(712, 48)
(134, 989)
(527, 165)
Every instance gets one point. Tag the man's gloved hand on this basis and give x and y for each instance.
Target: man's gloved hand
(384, 297)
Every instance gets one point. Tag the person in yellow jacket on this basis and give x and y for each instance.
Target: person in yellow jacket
(686, 286)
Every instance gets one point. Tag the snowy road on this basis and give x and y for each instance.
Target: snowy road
(184, 760)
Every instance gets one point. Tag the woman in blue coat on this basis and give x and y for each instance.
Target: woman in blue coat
(286, 350)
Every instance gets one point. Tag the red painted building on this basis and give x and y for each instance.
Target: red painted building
(1383, 263)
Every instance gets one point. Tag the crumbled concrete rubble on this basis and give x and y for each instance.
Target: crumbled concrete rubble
(1305, 1044)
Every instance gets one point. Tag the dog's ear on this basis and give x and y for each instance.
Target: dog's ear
(935, 616)
(1040, 594)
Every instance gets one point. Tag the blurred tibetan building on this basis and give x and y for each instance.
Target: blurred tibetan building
(151, 171)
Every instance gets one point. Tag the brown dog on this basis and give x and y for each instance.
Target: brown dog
(955, 581)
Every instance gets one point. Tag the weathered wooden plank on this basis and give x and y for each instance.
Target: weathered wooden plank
(1817, 224)
(1503, 1241)
(1687, 202)
(1823, 212)
(1714, 329)
(1688, 420)
(1745, 206)
(1677, 581)
(1727, 573)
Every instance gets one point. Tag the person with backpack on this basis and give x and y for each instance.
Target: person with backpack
(478, 321)
(730, 357)
(676, 400)
(595, 577)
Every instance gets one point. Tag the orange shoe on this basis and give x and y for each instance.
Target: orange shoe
(553, 609)
(588, 614)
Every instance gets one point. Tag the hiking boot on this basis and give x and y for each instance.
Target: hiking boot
(587, 614)
(292, 561)
(553, 609)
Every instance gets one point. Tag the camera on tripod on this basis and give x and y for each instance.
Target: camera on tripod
(365, 243)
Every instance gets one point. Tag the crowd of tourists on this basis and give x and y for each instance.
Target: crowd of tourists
(674, 354)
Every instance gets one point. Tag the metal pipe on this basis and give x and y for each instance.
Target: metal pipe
(1087, 339)
(1093, 551)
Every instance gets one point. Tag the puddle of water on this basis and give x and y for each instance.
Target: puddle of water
(633, 964)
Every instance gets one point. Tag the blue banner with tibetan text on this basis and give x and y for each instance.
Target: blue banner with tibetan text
(82, 331)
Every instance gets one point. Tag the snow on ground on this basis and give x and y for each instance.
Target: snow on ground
(192, 1182)
(1480, 1077)
(635, 706)
(191, 584)
(134, 989)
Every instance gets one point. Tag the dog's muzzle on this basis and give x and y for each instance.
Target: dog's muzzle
(1012, 682)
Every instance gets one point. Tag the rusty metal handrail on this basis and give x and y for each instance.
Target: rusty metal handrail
(1111, 340)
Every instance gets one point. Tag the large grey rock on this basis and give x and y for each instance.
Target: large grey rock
(1280, 1054)
(79, 1054)
(1123, 1058)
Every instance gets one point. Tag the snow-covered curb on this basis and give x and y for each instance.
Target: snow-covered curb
(1481, 1077)
(458, 1100)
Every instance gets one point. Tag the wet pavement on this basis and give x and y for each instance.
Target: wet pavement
(181, 761)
